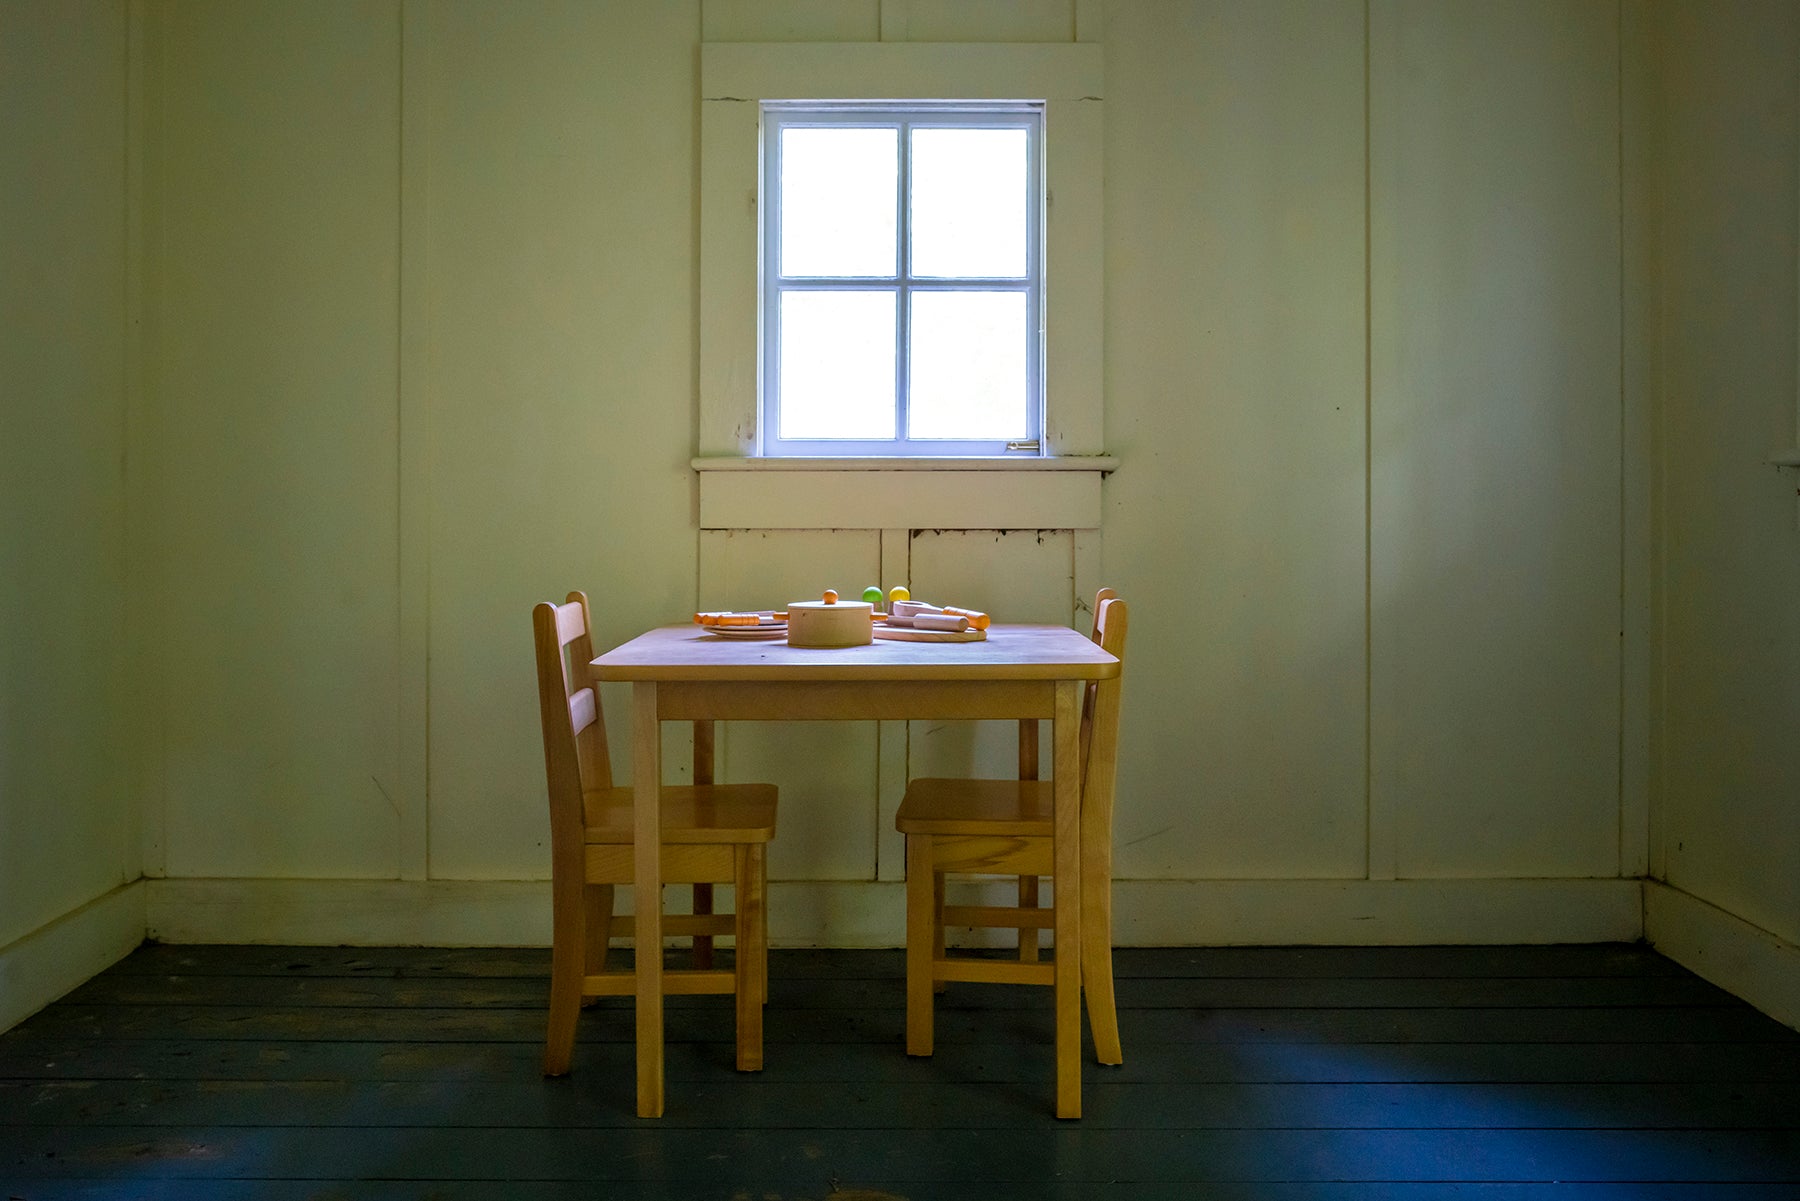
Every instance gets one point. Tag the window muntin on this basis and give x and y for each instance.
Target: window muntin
(932, 218)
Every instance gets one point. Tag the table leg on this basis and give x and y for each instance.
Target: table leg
(1028, 885)
(703, 893)
(646, 777)
(1067, 900)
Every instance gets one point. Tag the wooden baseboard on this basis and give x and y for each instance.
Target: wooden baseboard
(51, 960)
(1738, 956)
(1375, 912)
(872, 914)
(401, 913)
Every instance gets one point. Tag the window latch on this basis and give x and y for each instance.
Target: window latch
(1030, 444)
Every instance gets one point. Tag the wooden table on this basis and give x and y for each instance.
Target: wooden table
(682, 673)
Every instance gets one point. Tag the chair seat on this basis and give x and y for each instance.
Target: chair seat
(1013, 808)
(708, 813)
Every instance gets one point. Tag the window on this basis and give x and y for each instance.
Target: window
(902, 279)
(744, 88)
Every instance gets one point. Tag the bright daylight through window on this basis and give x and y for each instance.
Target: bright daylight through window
(902, 271)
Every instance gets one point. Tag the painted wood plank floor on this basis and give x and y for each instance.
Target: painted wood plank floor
(1293, 1074)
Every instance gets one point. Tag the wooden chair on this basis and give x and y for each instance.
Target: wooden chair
(711, 834)
(1004, 827)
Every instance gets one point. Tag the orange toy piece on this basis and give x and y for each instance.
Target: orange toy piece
(977, 620)
(726, 619)
(830, 596)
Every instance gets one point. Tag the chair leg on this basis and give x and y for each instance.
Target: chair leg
(924, 928)
(937, 925)
(1096, 967)
(599, 901)
(752, 960)
(568, 951)
(1028, 935)
(703, 943)
(762, 970)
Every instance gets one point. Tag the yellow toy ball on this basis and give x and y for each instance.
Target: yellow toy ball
(898, 594)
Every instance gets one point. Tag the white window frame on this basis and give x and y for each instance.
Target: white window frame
(904, 284)
(736, 78)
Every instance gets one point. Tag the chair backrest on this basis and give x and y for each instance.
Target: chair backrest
(1087, 706)
(569, 709)
(1100, 727)
(1088, 694)
(1100, 599)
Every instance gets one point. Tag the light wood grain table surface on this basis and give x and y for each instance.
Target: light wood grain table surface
(682, 673)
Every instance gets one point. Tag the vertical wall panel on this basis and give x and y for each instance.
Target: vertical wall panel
(790, 20)
(978, 20)
(67, 832)
(1496, 437)
(279, 278)
(1730, 705)
(561, 281)
(1234, 383)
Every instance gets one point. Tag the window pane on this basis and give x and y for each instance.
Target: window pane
(838, 191)
(837, 365)
(968, 365)
(968, 202)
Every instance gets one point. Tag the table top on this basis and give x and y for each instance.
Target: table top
(1011, 652)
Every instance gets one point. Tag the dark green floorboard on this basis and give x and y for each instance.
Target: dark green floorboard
(889, 1190)
(527, 992)
(928, 1101)
(26, 1055)
(679, 1150)
(1293, 1074)
(1598, 959)
(1162, 1027)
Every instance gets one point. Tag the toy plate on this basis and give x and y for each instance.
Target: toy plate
(749, 633)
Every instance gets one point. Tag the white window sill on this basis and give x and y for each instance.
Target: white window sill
(1104, 464)
(1035, 492)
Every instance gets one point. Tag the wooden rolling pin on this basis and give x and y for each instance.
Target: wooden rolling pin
(915, 613)
(732, 619)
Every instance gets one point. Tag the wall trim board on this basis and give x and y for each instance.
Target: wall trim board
(350, 912)
(897, 70)
(60, 955)
(145, 549)
(735, 77)
(920, 500)
(1739, 956)
(872, 914)
(1375, 912)
(413, 413)
(1382, 289)
(1639, 379)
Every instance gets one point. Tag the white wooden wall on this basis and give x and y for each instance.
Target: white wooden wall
(427, 281)
(69, 842)
(1728, 679)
